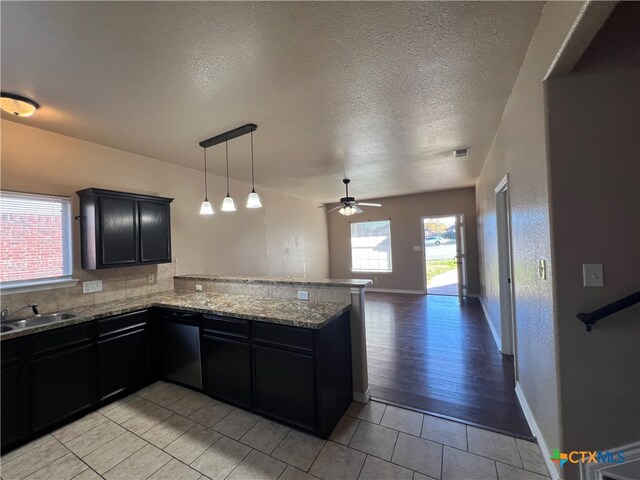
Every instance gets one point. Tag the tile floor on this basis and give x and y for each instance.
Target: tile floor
(165, 432)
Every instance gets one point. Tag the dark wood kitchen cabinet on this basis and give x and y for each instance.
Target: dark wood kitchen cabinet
(62, 374)
(15, 392)
(226, 358)
(120, 229)
(303, 376)
(123, 354)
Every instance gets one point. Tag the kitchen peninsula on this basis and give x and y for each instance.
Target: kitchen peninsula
(244, 347)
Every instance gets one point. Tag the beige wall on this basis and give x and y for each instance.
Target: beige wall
(405, 213)
(274, 240)
(519, 150)
(594, 167)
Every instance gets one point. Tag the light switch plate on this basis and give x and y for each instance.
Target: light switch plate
(303, 295)
(91, 287)
(593, 275)
(416, 248)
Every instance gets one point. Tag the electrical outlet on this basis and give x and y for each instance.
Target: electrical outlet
(91, 287)
(198, 287)
(303, 295)
(150, 278)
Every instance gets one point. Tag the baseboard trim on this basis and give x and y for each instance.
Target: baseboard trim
(361, 397)
(394, 290)
(554, 471)
(496, 337)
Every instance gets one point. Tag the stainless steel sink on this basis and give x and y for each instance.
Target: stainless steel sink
(38, 320)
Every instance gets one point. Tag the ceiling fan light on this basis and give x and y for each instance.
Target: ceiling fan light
(348, 211)
(206, 208)
(17, 105)
(228, 205)
(253, 201)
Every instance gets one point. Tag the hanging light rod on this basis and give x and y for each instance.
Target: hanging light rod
(231, 134)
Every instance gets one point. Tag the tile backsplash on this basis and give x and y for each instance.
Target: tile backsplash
(271, 290)
(117, 284)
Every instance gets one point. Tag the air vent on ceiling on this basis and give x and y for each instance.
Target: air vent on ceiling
(461, 152)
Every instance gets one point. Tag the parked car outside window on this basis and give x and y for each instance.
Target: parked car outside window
(431, 241)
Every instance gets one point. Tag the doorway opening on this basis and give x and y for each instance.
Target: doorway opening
(444, 265)
(505, 268)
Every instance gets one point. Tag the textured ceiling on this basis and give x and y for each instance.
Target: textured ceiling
(381, 92)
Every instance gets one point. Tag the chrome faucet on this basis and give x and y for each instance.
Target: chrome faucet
(5, 315)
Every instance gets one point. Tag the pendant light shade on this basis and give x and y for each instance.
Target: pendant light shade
(253, 201)
(227, 204)
(349, 210)
(206, 208)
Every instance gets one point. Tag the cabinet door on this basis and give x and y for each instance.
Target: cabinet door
(61, 385)
(285, 385)
(155, 232)
(118, 230)
(123, 363)
(15, 423)
(227, 365)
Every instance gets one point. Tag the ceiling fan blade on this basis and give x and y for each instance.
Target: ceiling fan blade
(358, 210)
(366, 204)
(334, 208)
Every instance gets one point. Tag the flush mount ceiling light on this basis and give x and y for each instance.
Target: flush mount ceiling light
(253, 201)
(206, 208)
(227, 203)
(17, 105)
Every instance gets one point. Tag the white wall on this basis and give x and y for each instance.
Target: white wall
(519, 150)
(285, 237)
(594, 166)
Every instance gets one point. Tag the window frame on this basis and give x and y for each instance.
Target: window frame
(45, 283)
(351, 248)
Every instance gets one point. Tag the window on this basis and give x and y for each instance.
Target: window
(371, 246)
(35, 239)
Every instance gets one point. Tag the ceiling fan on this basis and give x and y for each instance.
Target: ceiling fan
(348, 205)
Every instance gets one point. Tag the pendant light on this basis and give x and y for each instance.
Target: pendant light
(253, 201)
(227, 203)
(206, 208)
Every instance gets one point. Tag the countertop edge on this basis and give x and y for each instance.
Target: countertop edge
(357, 283)
(144, 306)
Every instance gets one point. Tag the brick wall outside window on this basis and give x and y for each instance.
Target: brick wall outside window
(30, 246)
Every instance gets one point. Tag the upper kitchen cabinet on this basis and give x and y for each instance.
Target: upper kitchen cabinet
(120, 229)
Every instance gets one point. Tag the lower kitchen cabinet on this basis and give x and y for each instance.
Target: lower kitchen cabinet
(285, 385)
(61, 384)
(227, 367)
(299, 376)
(15, 394)
(123, 354)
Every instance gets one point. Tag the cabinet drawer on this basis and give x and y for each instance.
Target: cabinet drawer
(233, 327)
(62, 338)
(280, 335)
(120, 323)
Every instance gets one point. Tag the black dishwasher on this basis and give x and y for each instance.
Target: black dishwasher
(180, 340)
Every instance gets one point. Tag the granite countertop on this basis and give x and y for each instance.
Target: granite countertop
(320, 282)
(295, 313)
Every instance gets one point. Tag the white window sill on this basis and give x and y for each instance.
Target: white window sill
(35, 285)
(372, 271)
